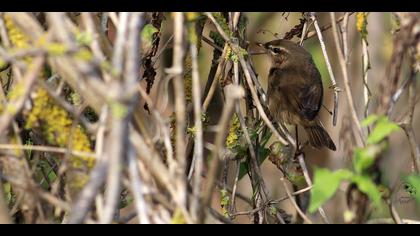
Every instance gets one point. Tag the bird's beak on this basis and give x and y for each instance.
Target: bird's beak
(262, 46)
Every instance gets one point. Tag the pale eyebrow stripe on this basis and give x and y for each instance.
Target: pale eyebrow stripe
(271, 47)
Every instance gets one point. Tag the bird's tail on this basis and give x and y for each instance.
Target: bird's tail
(318, 137)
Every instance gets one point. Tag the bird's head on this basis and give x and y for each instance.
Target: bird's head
(284, 53)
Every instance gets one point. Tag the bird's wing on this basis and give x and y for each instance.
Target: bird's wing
(306, 99)
(310, 98)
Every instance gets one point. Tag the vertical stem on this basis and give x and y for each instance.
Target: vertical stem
(309, 183)
(346, 80)
(330, 71)
(137, 188)
(177, 69)
(366, 67)
(198, 142)
(233, 93)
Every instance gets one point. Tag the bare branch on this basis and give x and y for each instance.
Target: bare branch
(346, 81)
(198, 161)
(333, 84)
(234, 93)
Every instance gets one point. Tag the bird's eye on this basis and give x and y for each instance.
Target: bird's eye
(276, 50)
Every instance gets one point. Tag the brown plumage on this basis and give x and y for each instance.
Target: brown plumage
(295, 90)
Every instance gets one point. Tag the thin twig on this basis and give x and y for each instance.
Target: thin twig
(293, 194)
(198, 161)
(46, 149)
(258, 103)
(343, 28)
(346, 81)
(209, 42)
(326, 27)
(137, 188)
(366, 66)
(333, 84)
(408, 124)
(215, 80)
(394, 214)
(117, 140)
(304, 32)
(3, 32)
(299, 211)
(250, 212)
(402, 40)
(163, 48)
(309, 183)
(82, 205)
(177, 70)
(117, 56)
(257, 177)
(398, 93)
(238, 112)
(234, 93)
(219, 217)
(218, 27)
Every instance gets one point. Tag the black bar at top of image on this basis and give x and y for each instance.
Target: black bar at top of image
(210, 5)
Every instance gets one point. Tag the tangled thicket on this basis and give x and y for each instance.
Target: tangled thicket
(162, 118)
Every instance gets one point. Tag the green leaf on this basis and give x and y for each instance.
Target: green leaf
(217, 38)
(365, 157)
(298, 180)
(367, 186)
(243, 169)
(413, 186)
(266, 137)
(370, 120)
(245, 166)
(382, 129)
(325, 185)
(147, 35)
(263, 154)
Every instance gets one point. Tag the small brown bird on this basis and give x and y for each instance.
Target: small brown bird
(295, 90)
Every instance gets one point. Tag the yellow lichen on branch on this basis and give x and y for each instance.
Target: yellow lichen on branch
(232, 138)
(56, 126)
(16, 36)
(188, 78)
(361, 23)
(54, 122)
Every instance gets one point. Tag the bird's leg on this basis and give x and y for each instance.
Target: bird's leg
(297, 139)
